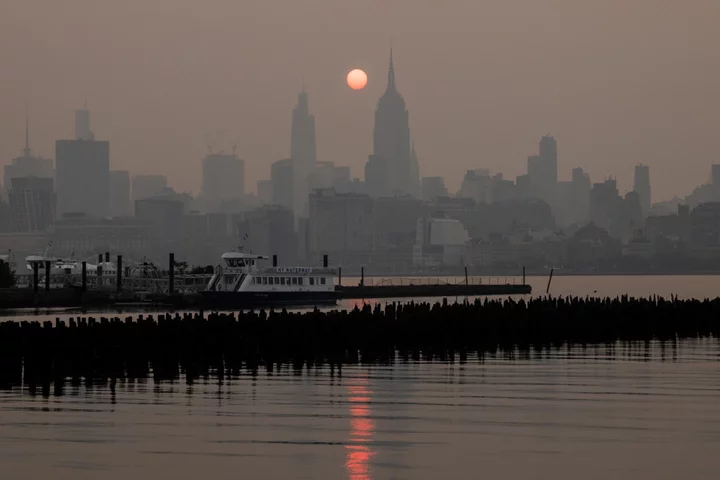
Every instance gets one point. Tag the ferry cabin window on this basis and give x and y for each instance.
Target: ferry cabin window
(322, 280)
(312, 280)
(288, 280)
(294, 281)
(264, 280)
(300, 281)
(282, 280)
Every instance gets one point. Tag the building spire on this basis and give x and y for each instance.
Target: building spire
(26, 150)
(391, 73)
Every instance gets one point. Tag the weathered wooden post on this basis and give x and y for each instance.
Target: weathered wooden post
(119, 274)
(547, 290)
(171, 275)
(36, 276)
(47, 275)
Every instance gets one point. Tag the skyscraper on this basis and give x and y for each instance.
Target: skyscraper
(302, 152)
(223, 180)
(120, 205)
(282, 176)
(83, 176)
(147, 185)
(27, 165)
(543, 171)
(642, 187)
(32, 202)
(391, 139)
(82, 125)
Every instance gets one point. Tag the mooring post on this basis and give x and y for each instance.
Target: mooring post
(547, 290)
(36, 276)
(171, 275)
(119, 273)
(84, 276)
(47, 275)
(523, 275)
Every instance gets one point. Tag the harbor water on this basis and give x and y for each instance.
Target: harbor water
(626, 411)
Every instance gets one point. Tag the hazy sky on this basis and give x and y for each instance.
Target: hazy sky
(617, 82)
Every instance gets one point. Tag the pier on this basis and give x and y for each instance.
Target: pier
(105, 349)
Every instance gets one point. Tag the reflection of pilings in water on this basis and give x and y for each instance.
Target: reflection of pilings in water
(359, 446)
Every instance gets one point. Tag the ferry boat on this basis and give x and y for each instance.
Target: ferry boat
(239, 282)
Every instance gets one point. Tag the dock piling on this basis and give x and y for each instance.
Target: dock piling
(547, 290)
(47, 275)
(119, 274)
(171, 275)
(36, 276)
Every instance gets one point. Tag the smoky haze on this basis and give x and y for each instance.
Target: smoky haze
(617, 82)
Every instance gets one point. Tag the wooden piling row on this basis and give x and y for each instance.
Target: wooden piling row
(101, 349)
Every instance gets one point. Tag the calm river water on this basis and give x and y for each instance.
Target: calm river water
(633, 412)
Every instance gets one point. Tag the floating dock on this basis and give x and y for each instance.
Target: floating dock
(425, 291)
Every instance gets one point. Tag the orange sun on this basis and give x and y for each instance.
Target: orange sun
(357, 79)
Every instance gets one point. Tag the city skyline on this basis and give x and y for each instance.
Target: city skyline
(480, 93)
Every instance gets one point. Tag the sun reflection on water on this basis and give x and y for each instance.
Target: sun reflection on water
(358, 450)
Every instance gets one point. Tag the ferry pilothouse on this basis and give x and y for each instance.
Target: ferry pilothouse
(240, 282)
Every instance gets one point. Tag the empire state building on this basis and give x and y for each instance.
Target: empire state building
(391, 145)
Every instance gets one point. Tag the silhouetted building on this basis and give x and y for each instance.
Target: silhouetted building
(340, 225)
(83, 177)
(265, 192)
(394, 229)
(32, 203)
(120, 205)
(282, 175)
(543, 171)
(27, 165)
(270, 230)
(580, 197)
(432, 188)
(145, 186)
(391, 140)
(705, 226)
(82, 125)
(223, 180)
(477, 185)
(642, 187)
(302, 152)
(377, 177)
(164, 213)
(604, 203)
(714, 184)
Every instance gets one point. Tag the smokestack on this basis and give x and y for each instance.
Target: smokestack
(274, 260)
(325, 260)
